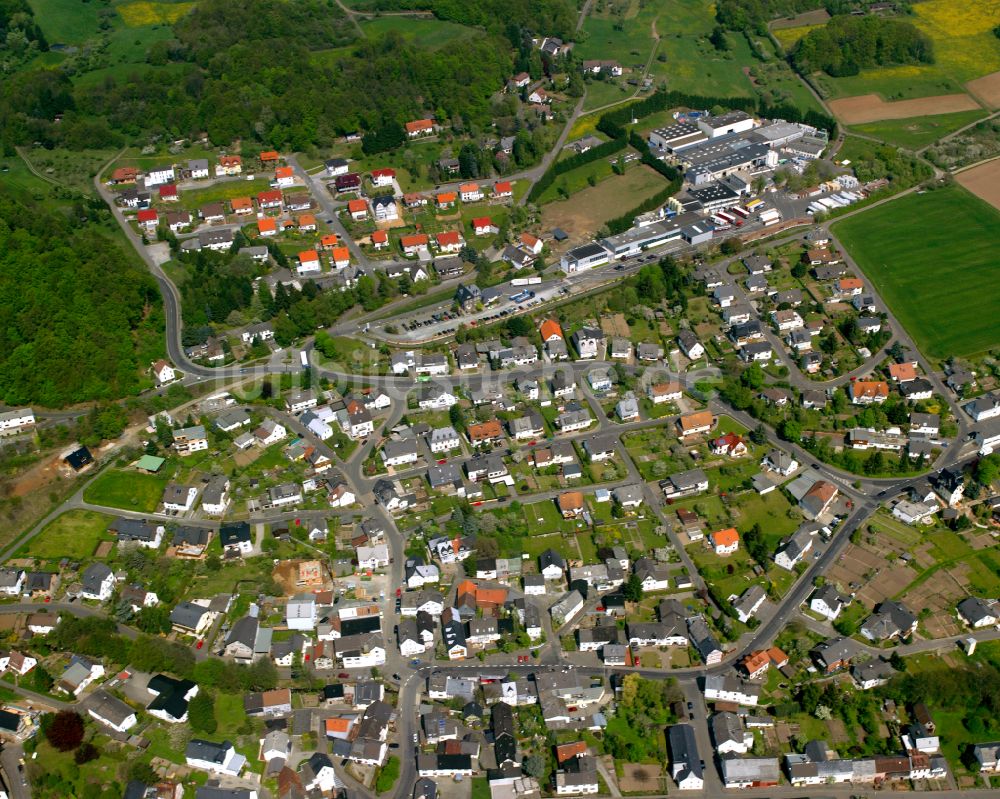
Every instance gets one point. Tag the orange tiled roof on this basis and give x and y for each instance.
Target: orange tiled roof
(725, 538)
(571, 500)
(903, 372)
(549, 328)
(692, 421)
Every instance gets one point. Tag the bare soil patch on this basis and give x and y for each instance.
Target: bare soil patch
(872, 108)
(641, 778)
(588, 210)
(817, 17)
(986, 89)
(983, 181)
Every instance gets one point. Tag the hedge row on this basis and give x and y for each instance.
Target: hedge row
(604, 150)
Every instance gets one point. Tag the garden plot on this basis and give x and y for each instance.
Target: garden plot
(858, 566)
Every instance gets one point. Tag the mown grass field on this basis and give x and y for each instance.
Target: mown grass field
(127, 490)
(601, 93)
(66, 21)
(918, 132)
(75, 535)
(964, 47)
(631, 45)
(431, 33)
(933, 259)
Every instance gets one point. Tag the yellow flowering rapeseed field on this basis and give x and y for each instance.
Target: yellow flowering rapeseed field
(142, 13)
(965, 46)
(789, 36)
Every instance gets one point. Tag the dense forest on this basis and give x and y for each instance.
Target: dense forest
(848, 44)
(543, 17)
(20, 37)
(253, 70)
(78, 313)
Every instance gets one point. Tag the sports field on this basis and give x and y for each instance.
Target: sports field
(932, 257)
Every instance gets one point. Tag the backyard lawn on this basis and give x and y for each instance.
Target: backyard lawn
(73, 535)
(127, 490)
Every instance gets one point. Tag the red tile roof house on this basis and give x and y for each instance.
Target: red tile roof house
(270, 199)
(168, 193)
(309, 262)
(124, 174)
(229, 165)
(532, 243)
(148, 219)
(380, 239)
(470, 192)
(341, 257)
(269, 157)
(419, 127)
(503, 190)
(449, 241)
(383, 177)
(413, 243)
(358, 209)
(483, 226)
(446, 199)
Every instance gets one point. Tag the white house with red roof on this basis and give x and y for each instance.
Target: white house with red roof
(470, 192)
(449, 241)
(730, 444)
(503, 190)
(419, 127)
(164, 372)
(483, 226)
(148, 219)
(383, 177)
(308, 262)
(531, 243)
